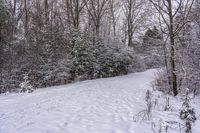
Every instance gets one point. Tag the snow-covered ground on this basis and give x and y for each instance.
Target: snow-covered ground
(97, 106)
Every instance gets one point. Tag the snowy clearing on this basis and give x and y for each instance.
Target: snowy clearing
(97, 106)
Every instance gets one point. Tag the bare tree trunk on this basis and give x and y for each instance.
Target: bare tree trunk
(46, 6)
(51, 19)
(26, 18)
(130, 35)
(172, 50)
(113, 16)
(14, 6)
(77, 14)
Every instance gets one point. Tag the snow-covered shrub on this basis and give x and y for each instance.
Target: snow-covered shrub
(160, 127)
(26, 85)
(63, 57)
(137, 63)
(151, 49)
(83, 57)
(167, 105)
(149, 103)
(161, 82)
(147, 113)
(153, 61)
(112, 63)
(187, 113)
(96, 60)
(57, 73)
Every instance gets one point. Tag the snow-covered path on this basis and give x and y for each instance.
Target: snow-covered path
(97, 106)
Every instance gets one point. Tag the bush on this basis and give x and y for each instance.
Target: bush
(26, 85)
(187, 113)
(90, 61)
(112, 63)
(161, 82)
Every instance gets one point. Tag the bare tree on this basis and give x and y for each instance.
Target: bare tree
(26, 17)
(169, 10)
(73, 9)
(196, 14)
(114, 7)
(46, 5)
(134, 13)
(97, 9)
(110, 21)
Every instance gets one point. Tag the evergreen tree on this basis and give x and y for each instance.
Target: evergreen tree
(26, 85)
(187, 113)
(152, 39)
(152, 48)
(83, 57)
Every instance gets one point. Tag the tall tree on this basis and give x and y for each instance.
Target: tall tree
(46, 6)
(74, 10)
(134, 16)
(168, 12)
(114, 6)
(97, 10)
(26, 17)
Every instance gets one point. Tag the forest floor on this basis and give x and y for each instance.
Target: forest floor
(97, 106)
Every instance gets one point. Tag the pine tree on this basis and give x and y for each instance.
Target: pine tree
(83, 57)
(152, 48)
(152, 39)
(187, 113)
(26, 85)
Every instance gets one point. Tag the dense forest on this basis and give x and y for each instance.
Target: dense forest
(55, 42)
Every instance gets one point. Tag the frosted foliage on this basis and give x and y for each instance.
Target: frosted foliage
(188, 58)
(151, 49)
(26, 85)
(187, 112)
